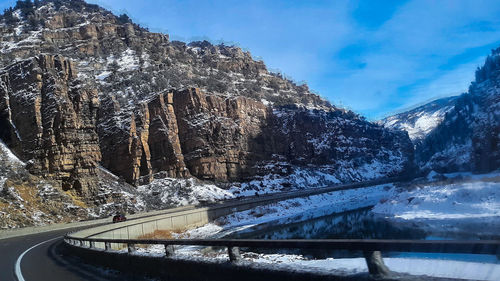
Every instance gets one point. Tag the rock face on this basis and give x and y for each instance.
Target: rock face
(48, 119)
(141, 105)
(340, 138)
(221, 138)
(151, 144)
(189, 132)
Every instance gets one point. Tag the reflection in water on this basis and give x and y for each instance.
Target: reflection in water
(356, 224)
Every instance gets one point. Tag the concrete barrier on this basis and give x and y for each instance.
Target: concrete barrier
(174, 220)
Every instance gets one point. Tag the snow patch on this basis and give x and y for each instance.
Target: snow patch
(4, 150)
(169, 192)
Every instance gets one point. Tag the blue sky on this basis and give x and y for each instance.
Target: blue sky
(374, 57)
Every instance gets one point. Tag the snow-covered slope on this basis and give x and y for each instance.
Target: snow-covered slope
(7, 158)
(468, 138)
(420, 121)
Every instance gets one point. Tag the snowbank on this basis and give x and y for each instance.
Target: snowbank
(451, 201)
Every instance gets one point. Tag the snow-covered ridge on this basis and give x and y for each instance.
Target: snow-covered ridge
(420, 121)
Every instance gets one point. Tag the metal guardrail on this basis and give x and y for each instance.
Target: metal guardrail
(371, 248)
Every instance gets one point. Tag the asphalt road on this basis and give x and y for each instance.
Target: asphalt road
(43, 262)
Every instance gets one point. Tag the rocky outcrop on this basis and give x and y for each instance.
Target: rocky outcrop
(150, 145)
(221, 138)
(48, 118)
(185, 133)
(336, 137)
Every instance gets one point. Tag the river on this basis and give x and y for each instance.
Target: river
(362, 224)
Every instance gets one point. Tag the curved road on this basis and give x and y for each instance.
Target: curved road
(45, 261)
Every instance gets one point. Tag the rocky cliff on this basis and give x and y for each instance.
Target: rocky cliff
(49, 119)
(213, 137)
(89, 88)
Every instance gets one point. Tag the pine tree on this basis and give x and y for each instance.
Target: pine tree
(9, 17)
(25, 6)
(123, 18)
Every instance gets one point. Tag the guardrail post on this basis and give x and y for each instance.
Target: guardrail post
(81, 243)
(234, 253)
(169, 250)
(107, 246)
(92, 245)
(375, 263)
(131, 248)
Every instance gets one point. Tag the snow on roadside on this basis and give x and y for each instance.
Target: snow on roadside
(297, 178)
(444, 268)
(414, 266)
(465, 200)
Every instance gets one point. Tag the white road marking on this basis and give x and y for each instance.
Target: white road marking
(17, 270)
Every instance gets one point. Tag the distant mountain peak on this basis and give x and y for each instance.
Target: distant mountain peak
(421, 120)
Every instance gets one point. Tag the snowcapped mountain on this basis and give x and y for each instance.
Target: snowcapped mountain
(469, 136)
(420, 121)
(458, 133)
(82, 90)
